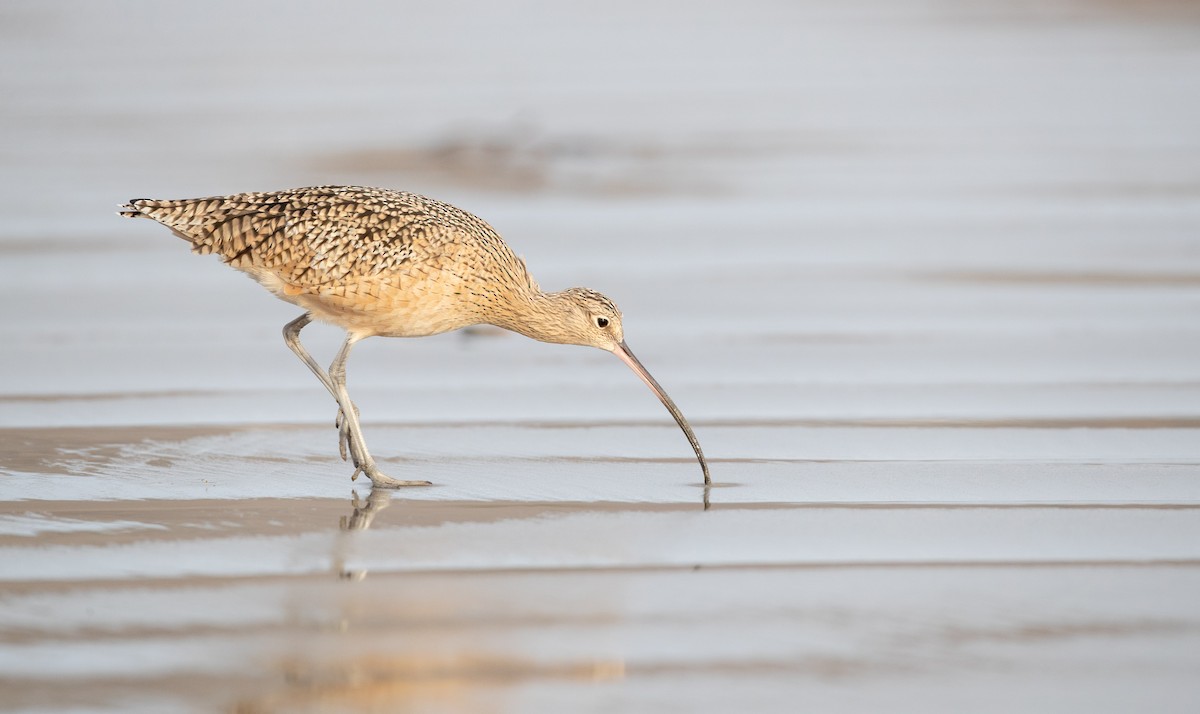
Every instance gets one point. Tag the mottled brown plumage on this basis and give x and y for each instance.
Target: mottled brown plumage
(381, 262)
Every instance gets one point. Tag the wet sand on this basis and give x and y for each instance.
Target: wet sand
(925, 278)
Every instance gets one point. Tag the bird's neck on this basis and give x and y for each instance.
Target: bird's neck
(536, 314)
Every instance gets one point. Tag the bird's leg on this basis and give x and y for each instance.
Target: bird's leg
(358, 446)
(349, 433)
(291, 336)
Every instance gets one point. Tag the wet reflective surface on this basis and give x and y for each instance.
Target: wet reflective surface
(502, 620)
(934, 581)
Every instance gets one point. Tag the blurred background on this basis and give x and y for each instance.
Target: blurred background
(924, 275)
(807, 210)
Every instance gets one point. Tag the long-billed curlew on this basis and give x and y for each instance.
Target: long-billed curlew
(380, 262)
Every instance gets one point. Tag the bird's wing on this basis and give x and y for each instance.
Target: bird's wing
(311, 236)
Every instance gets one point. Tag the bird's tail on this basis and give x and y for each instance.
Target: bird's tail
(130, 210)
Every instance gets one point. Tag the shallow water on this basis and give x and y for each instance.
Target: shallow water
(925, 277)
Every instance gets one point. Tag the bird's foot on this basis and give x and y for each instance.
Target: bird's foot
(382, 480)
(349, 446)
(344, 441)
(363, 463)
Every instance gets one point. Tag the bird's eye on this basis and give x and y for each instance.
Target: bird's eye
(601, 322)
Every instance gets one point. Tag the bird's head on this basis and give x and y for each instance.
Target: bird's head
(579, 316)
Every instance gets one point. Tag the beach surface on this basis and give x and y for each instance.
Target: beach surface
(924, 276)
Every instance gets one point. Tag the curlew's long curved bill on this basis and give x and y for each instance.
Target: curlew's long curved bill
(622, 351)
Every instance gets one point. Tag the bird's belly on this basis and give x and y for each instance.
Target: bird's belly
(388, 307)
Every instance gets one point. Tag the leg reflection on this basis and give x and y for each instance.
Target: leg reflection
(365, 511)
(359, 520)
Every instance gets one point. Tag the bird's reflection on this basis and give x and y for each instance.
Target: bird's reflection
(365, 511)
(360, 518)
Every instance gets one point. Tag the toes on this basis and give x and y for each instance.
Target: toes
(381, 481)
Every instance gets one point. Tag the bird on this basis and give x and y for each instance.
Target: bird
(387, 263)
